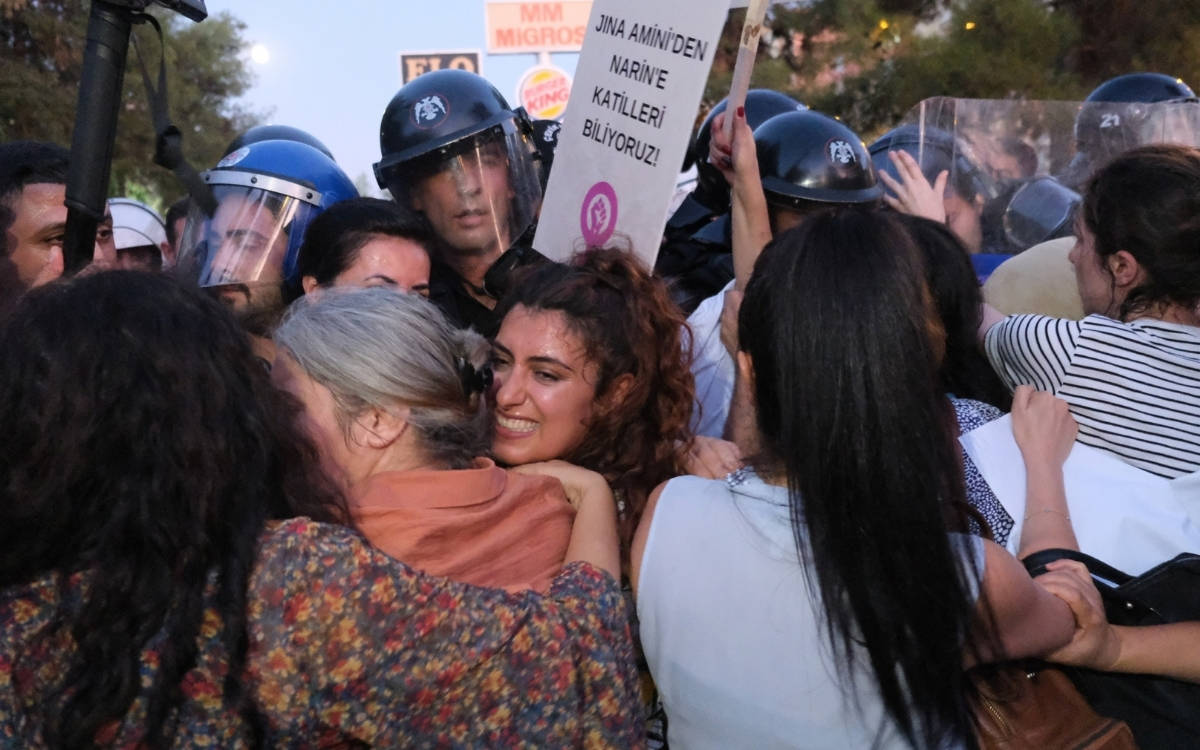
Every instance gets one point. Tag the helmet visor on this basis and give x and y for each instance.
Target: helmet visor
(244, 242)
(1040, 210)
(479, 194)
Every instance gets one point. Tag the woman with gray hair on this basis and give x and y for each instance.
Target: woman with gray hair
(394, 396)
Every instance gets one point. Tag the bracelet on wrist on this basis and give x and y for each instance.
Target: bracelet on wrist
(1046, 510)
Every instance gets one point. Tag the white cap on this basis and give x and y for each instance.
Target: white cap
(135, 224)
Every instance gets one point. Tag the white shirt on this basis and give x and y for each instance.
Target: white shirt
(712, 367)
(734, 641)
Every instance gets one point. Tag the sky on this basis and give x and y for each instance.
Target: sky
(334, 66)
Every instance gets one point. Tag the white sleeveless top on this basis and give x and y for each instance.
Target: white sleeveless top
(737, 651)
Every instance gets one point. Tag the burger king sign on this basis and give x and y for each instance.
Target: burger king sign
(543, 92)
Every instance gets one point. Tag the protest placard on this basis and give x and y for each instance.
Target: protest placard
(747, 51)
(637, 87)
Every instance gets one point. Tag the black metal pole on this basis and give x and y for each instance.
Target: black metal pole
(95, 129)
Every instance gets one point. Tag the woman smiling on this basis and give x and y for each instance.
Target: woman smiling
(393, 397)
(591, 367)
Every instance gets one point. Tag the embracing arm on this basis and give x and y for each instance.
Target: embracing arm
(1028, 620)
(1169, 650)
(1015, 617)
(594, 537)
(347, 643)
(711, 458)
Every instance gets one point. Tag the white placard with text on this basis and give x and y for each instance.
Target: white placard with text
(637, 87)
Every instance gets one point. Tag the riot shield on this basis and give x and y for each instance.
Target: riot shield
(1022, 164)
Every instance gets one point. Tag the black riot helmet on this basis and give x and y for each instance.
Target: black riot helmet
(434, 111)
(455, 126)
(276, 133)
(1113, 119)
(935, 151)
(1141, 87)
(1042, 209)
(807, 157)
(761, 105)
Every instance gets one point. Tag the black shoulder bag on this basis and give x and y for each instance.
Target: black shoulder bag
(1162, 712)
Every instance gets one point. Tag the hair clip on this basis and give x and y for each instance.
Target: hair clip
(474, 380)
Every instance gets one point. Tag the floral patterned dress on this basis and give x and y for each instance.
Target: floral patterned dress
(348, 646)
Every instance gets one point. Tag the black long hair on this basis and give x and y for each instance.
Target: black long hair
(145, 449)
(965, 371)
(836, 319)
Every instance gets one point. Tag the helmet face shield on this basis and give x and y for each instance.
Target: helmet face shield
(479, 193)
(246, 244)
(1042, 209)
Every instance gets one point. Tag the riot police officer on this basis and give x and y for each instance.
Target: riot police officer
(266, 194)
(806, 160)
(457, 154)
(711, 196)
(1109, 122)
(968, 186)
(695, 252)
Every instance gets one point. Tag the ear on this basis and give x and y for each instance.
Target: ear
(1125, 269)
(308, 284)
(745, 368)
(619, 391)
(378, 429)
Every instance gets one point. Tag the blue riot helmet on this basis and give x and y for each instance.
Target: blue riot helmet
(810, 158)
(277, 133)
(266, 194)
(453, 150)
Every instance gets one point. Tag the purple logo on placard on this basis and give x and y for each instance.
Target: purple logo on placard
(598, 216)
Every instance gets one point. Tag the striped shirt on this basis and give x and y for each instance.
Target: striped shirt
(1134, 388)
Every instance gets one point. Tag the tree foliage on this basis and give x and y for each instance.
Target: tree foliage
(870, 61)
(42, 44)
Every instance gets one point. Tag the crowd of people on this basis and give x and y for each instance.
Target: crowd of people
(294, 467)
